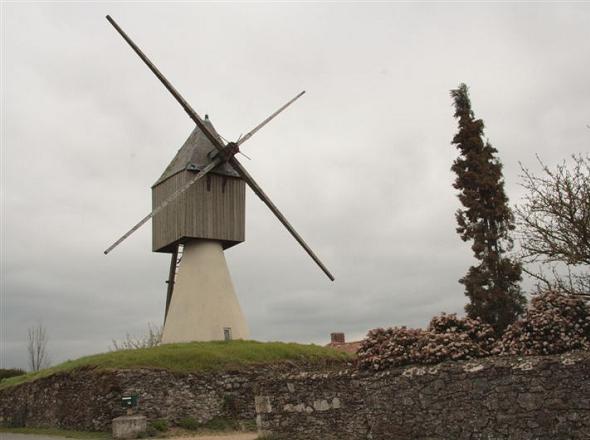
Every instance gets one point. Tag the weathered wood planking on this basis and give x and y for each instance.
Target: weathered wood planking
(213, 208)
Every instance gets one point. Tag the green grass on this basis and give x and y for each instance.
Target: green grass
(194, 357)
(217, 424)
(84, 435)
(159, 425)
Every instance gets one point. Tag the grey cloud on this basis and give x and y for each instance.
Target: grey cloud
(360, 165)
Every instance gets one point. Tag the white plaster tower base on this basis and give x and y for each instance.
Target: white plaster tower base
(204, 304)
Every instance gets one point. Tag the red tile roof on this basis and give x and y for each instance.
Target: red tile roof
(349, 347)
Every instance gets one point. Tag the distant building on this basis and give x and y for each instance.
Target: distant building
(338, 342)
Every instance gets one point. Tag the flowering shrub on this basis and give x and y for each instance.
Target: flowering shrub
(554, 323)
(438, 347)
(388, 347)
(477, 331)
(447, 338)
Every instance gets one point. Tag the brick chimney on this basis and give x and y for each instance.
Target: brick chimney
(337, 338)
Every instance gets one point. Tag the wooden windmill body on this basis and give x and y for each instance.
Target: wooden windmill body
(213, 208)
(198, 211)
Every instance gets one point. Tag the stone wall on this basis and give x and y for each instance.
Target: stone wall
(540, 398)
(88, 399)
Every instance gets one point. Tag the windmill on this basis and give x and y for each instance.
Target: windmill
(198, 211)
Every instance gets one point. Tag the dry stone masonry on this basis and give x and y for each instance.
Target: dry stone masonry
(496, 398)
(533, 398)
(89, 399)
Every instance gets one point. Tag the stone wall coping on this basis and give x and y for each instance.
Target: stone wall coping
(469, 366)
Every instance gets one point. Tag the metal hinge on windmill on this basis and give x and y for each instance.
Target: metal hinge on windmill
(202, 220)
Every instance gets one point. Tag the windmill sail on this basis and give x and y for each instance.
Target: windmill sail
(218, 144)
(267, 120)
(144, 220)
(268, 202)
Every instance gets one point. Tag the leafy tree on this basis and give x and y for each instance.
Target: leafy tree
(554, 224)
(486, 220)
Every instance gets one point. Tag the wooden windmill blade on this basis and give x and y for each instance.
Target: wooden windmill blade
(267, 120)
(183, 103)
(214, 163)
(268, 202)
(226, 153)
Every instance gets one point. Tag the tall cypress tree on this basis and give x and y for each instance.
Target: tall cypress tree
(492, 285)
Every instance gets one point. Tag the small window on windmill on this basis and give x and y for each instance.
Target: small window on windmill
(227, 333)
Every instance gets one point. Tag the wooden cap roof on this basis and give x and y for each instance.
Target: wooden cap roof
(192, 155)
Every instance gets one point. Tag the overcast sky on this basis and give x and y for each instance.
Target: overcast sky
(360, 165)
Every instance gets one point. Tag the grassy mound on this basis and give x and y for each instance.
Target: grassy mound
(195, 357)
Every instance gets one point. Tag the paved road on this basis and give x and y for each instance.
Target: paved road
(237, 436)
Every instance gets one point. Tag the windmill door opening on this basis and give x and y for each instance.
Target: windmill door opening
(227, 333)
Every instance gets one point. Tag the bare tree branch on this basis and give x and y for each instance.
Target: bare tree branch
(37, 348)
(555, 216)
(575, 284)
(554, 224)
(151, 338)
